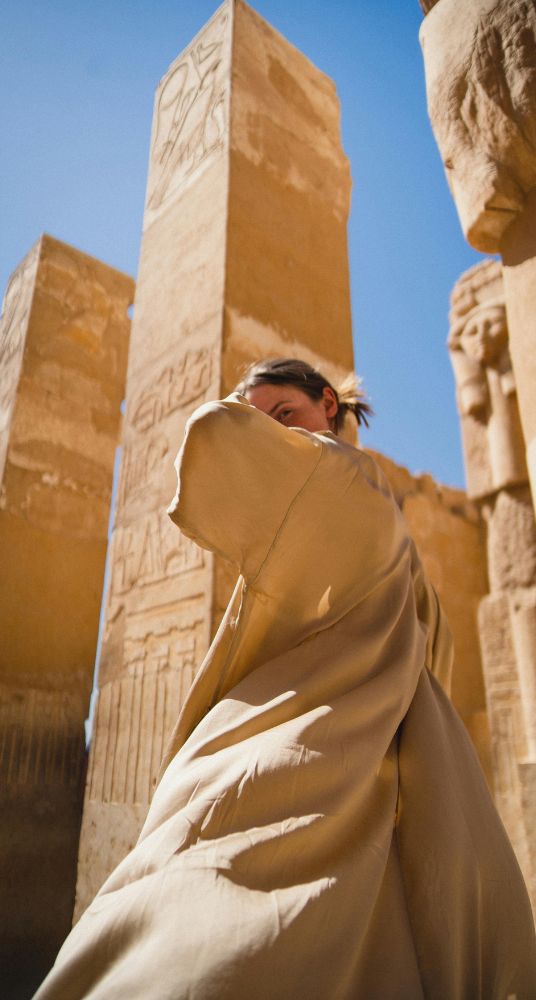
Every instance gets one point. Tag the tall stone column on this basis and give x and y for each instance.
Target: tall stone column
(497, 480)
(244, 255)
(480, 62)
(63, 350)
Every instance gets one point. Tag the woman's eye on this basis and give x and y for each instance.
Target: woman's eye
(285, 414)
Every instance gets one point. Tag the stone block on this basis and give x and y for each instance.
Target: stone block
(244, 255)
(63, 351)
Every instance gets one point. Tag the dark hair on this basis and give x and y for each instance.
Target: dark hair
(290, 371)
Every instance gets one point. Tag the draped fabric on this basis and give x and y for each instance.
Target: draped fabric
(321, 828)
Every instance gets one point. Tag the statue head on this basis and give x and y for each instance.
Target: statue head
(484, 335)
(493, 444)
(478, 334)
(481, 88)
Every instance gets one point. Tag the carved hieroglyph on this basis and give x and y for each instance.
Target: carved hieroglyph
(497, 477)
(63, 349)
(191, 114)
(244, 254)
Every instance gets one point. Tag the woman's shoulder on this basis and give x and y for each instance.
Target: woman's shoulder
(362, 461)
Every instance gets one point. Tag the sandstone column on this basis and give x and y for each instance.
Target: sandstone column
(63, 349)
(244, 254)
(497, 480)
(480, 61)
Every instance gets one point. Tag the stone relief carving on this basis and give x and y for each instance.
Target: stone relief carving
(191, 117)
(178, 385)
(13, 324)
(40, 742)
(494, 453)
(139, 471)
(149, 552)
(480, 61)
(494, 448)
(137, 712)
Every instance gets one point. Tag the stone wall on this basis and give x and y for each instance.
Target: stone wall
(63, 349)
(497, 479)
(244, 255)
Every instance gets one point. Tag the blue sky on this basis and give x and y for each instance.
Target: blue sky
(77, 84)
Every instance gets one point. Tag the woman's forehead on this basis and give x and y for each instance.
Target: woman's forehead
(271, 394)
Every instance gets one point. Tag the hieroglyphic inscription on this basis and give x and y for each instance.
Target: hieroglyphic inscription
(41, 741)
(150, 552)
(13, 324)
(139, 471)
(191, 118)
(178, 385)
(136, 713)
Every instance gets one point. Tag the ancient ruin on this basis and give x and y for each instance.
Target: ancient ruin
(497, 480)
(63, 351)
(480, 63)
(244, 196)
(244, 255)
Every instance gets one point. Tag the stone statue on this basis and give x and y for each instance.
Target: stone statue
(480, 65)
(497, 478)
(480, 61)
(493, 444)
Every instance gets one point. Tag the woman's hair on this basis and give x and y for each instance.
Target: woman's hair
(290, 371)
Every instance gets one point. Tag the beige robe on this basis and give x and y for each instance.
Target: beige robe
(322, 829)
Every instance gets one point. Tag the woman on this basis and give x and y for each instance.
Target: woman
(322, 828)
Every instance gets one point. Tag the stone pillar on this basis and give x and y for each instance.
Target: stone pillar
(480, 67)
(497, 480)
(244, 255)
(63, 349)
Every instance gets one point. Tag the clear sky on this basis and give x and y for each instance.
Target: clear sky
(77, 80)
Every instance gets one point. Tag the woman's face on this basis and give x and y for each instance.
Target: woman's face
(294, 408)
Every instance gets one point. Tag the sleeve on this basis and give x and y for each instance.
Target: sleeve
(238, 471)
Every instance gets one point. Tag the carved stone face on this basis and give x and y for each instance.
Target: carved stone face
(480, 62)
(485, 334)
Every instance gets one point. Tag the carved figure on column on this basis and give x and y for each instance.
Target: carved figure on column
(493, 444)
(480, 65)
(497, 478)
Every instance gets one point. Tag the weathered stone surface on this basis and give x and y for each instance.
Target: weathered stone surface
(480, 61)
(448, 532)
(518, 249)
(63, 349)
(427, 5)
(244, 255)
(493, 443)
(497, 477)
(513, 765)
(511, 542)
